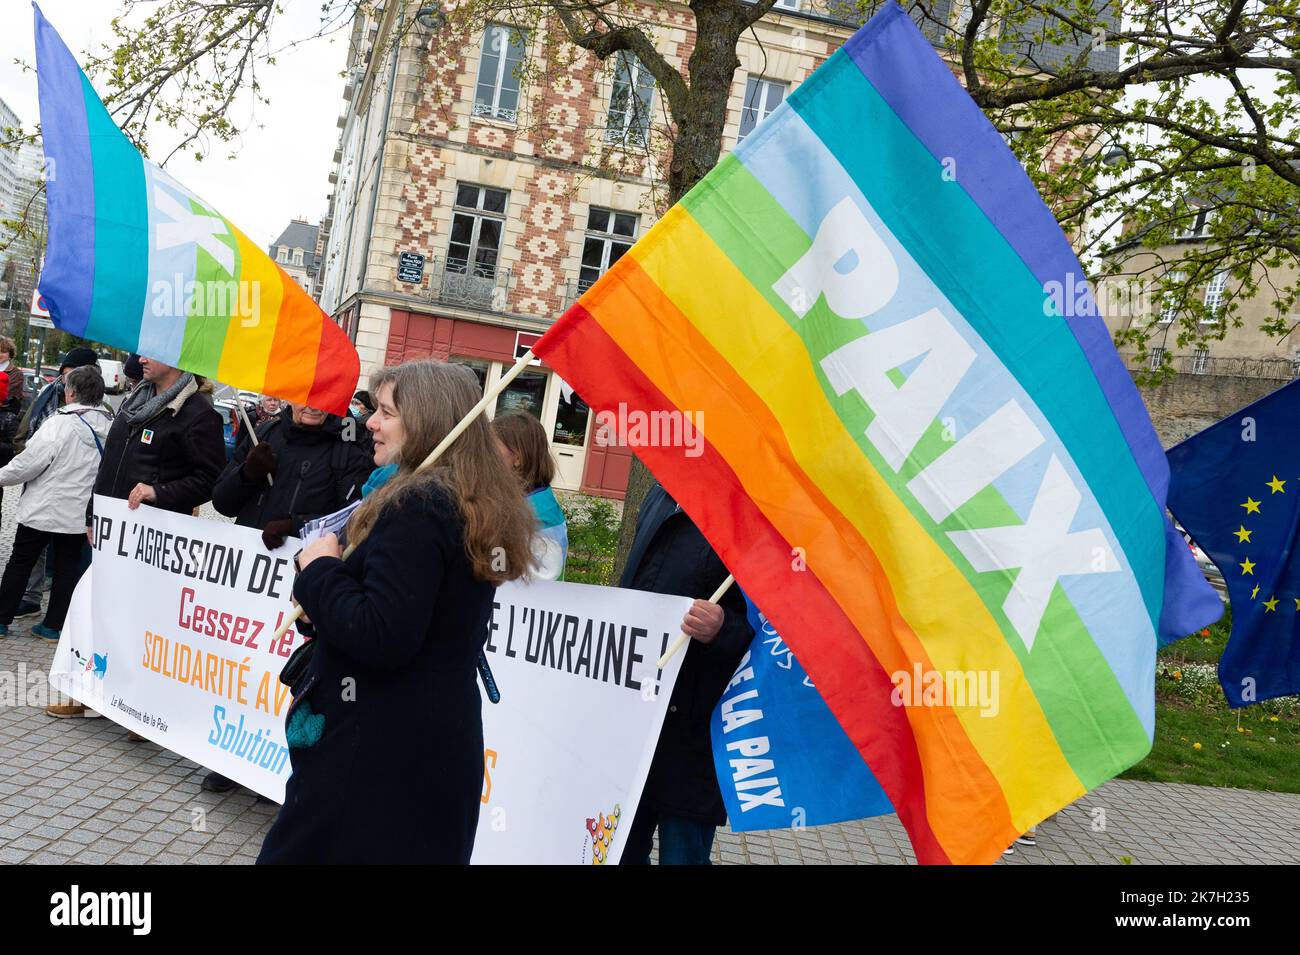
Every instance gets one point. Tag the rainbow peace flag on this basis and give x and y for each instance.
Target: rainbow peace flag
(922, 456)
(137, 261)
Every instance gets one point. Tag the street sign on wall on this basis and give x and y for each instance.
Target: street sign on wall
(410, 268)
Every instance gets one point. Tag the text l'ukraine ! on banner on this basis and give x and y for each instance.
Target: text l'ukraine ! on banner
(137, 261)
(971, 477)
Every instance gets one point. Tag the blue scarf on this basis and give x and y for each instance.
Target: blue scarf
(378, 477)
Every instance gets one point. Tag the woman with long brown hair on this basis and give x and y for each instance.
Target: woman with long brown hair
(385, 732)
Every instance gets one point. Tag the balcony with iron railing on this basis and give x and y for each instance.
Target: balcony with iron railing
(573, 290)
(466, 284)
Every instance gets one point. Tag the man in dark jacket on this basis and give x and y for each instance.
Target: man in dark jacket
(669, 555)
(167, 445)
(315, 472)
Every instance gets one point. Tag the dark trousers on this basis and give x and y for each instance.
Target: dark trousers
(681, 841)
(66, 550)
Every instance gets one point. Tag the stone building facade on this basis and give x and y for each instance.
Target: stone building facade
(475, 199)
(1211, 381)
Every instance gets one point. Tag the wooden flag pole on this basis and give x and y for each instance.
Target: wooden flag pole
(252, 433)
(683, 638)
(524, 361)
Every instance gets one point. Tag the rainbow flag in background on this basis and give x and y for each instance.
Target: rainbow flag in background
(137, 261)
(922, 456)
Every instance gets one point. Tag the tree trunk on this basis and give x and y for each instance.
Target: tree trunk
(696, 147)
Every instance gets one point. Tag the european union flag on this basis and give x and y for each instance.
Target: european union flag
(1236, 489)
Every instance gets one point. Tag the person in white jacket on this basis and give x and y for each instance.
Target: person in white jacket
(58, 467)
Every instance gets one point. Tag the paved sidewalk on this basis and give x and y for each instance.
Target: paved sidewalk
(78, 790)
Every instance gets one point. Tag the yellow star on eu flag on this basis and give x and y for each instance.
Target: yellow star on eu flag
(1243, 535)
(1297, 602)
(1248, 567)
(1277, 485)
(1270, 605)
(1255, 593)
(1251, 505)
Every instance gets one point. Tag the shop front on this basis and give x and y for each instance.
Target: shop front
(583, 463)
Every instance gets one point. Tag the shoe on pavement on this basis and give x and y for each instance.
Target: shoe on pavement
(4, 630)
(44, 632)
(65, 710)
(1009, 851)
(216, 783)
(27, 608)
(1027, 839)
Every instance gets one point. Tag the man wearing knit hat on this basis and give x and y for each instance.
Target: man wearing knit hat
(46, 404)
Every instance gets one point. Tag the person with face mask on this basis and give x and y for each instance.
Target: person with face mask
(314, 469)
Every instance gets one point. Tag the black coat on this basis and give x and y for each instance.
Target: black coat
(393, 774)
(316, 472)
(669, 555)
(179, 452)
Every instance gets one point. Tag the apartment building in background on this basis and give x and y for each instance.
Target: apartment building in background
(21, 196)
(298, 252)
(468, 212)
(1244, 351)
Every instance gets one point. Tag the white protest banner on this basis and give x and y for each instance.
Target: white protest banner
(169, 632)
(569, 746)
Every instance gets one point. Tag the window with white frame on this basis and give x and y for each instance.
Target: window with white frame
(282, 255)
(761, 97)
(1169, 310)
(1200, 359)
(497, 94)
(628, 121)
(478, 221)
(609, 235)
(297, 256)
(788, 4)
(1155, 356)
(1214, 294)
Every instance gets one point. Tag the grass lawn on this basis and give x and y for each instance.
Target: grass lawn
(1256, 747)
(1243, 760)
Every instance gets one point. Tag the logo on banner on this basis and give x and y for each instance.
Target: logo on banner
(96, 663)
(600, 835)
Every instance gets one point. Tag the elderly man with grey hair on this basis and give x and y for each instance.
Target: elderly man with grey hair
(58, 467)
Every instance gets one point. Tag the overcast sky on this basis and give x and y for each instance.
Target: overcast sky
(278, 172)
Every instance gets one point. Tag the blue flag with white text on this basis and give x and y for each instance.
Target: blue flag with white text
(781, 757)
(1236, 490)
